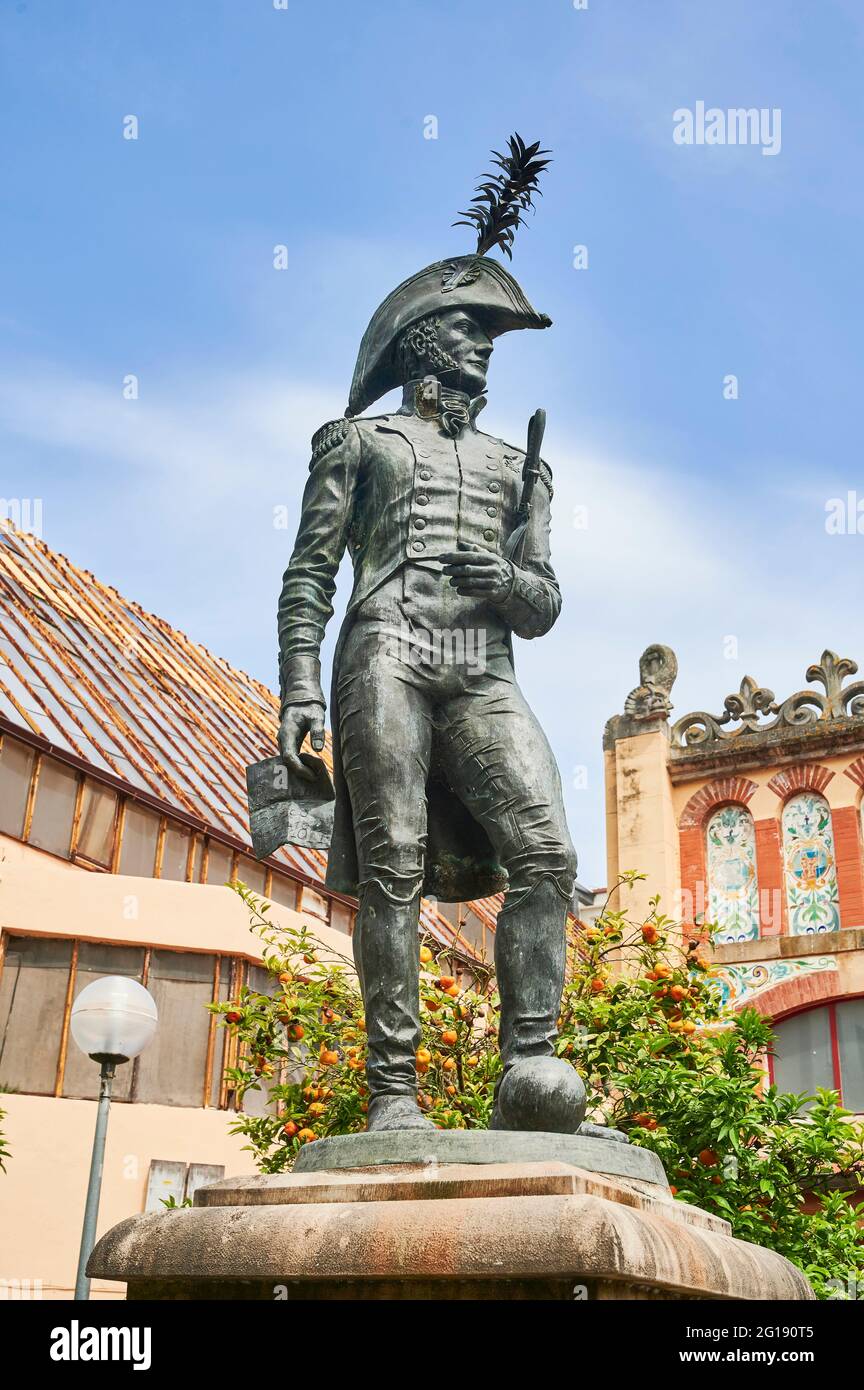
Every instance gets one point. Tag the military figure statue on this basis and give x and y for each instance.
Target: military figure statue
(444, 780)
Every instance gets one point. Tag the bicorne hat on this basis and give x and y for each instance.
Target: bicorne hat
(475, 283)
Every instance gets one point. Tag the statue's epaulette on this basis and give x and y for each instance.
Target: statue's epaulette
(328, 437)
(546, 475)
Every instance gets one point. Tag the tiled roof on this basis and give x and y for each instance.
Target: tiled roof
(129, 696)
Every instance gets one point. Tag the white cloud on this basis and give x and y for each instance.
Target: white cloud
(207, 441)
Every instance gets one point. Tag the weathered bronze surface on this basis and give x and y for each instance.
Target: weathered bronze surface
(444, 780)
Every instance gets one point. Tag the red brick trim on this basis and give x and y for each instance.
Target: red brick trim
(769, 871)
(855, 772)
(701, 803)
(801, 777)
(796, 994)
(850, 867)
(693, 874)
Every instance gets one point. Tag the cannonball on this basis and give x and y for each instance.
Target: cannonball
(542, 1093)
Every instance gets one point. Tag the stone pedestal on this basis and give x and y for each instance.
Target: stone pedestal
(452, 1215)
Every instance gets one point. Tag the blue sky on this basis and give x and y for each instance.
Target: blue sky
(305, 127)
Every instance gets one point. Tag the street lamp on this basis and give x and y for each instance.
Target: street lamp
(112, 1020)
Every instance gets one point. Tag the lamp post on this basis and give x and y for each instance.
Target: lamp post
(113, 1019)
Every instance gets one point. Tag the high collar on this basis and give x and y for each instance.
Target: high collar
(430, 400)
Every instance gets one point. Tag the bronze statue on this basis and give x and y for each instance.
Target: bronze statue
(444, 780)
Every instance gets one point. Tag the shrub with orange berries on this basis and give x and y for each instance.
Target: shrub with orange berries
(642, 1019)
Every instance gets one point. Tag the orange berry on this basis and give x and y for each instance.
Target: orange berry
(433, 1005)
(425, 955)
(423, 1054)
(650, 933)
(445, 981)
(449, 1036)
(453, 991)
(329, 1058)
(290, 1129)
(708, 1158)
(598, 985)
(306, 1136)
(449, 1064)
(297, 1031)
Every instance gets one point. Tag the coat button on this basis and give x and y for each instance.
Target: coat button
(419, 523)
(425, 474)
(418, 545)
(491, 511)
(488, 535)
(494, 487)
(422, 500)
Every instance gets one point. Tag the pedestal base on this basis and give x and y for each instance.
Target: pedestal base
(439, 1147)
(427, 1230)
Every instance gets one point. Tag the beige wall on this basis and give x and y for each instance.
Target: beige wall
(642, 831)
(42, 1192)
(39, 893)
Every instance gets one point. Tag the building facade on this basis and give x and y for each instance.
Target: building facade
(751, 819)
(123, 748)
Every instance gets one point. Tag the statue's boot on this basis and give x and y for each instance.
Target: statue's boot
(386, 953)
(537, 1090)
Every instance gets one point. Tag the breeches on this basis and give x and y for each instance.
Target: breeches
(487, 743)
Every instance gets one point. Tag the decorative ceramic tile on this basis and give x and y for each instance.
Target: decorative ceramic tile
(733, 892)
(811, 874)
(741, 984)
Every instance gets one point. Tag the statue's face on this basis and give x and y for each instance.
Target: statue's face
(469, 346)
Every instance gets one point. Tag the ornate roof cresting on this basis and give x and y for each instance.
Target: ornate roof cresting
(754, 709)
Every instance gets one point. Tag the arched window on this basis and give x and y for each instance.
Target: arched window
(823, 1047)
(810, 869)
(733, 891)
